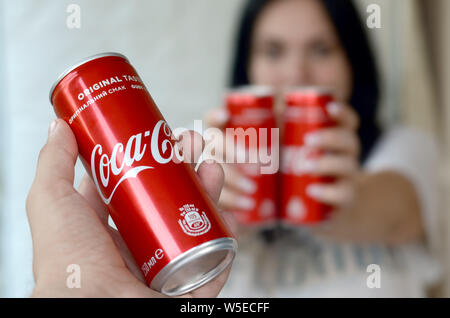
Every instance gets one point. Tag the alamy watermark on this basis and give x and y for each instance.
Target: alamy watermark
(374, 19)
(256, 147)
(73, 20)
(374, 279)
(74, 278)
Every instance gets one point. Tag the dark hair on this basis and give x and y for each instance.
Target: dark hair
(366, 91)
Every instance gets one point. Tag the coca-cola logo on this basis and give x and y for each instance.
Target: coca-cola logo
(104, 166)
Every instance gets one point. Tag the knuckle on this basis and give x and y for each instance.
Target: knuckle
(353, 117)
(357, 122)
(322, 163)
(331, 136)
(352, 141)
(348, 162)
(42, 153)
(30, 201)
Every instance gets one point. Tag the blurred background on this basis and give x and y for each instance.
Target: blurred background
(182, 50)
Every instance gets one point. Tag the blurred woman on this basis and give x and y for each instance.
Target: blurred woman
(384, 198)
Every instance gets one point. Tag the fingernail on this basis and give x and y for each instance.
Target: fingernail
(246, 185)
(310, 165)
(333, 108)
(221, 116)
(245, 203)
(312, 139)
(314, 191)
(52, 127)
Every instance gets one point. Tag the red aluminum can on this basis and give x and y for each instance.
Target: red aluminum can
(250, 109)
(305, 113)
(163, 213)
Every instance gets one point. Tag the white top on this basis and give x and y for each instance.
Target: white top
(302, 265)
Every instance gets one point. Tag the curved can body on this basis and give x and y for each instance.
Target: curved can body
(306, 112)
(157, 202)
(252, 125)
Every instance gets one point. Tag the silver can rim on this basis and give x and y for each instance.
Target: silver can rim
(258, 91)
(80, 63)
(226, 243)
(321, 90)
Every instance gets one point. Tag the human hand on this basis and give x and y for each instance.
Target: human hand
(238, 188)
(341, 148)
(71, 227)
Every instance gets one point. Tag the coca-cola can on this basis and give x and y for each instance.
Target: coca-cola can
(306, 112)
(251, 124)
(157, 202)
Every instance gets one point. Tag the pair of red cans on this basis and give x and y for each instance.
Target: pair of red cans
(282, 196)
(157, 202)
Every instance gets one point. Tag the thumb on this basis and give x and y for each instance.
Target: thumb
(53, 182)
(58, 157)
(55, 171)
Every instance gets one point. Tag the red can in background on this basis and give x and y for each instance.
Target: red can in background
(306, 112)
(162, 211)
(251, 113)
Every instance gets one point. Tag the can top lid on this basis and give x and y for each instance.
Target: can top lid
(254, 90)
(78, 64)
(308, 90)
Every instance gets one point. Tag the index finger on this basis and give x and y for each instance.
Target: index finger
(191, 145)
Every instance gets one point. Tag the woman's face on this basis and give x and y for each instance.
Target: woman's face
(295, 44)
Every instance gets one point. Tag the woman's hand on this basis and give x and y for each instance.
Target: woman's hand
(237, 189)
(341, 148)
(368, 207)
(71, 227)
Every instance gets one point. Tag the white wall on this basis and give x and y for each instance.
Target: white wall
(2, 133)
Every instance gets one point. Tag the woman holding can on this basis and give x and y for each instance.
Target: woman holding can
(383, 198)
